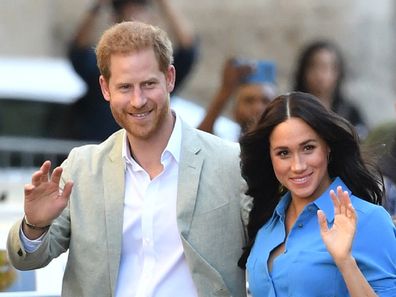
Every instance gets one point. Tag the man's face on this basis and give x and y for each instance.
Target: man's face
(250, 102)
(138, 93)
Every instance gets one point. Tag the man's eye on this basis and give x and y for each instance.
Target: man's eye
(149, 84)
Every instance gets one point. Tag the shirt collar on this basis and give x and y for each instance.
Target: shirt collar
(173, 147)
(323, 202)
(174, 143)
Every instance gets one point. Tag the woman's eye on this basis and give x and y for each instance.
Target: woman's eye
(282, 153)
(309, 147)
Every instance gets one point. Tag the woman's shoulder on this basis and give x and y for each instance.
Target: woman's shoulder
(366, 207)
(372, 214)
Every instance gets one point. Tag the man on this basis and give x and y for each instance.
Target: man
(253, 90)
(90, 119)
(152, 211)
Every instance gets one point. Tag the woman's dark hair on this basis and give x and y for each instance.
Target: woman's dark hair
(345, 161)
(305, 60)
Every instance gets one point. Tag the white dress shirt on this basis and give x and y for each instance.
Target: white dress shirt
(152, 256)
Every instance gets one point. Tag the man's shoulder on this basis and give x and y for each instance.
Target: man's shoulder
(114, 141)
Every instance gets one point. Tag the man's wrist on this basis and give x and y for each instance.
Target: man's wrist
(34, 227)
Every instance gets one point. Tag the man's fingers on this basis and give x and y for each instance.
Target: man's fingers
(28, 189)
(36, 178)
(41, 175)
(45, 169)
(56, 175)
(67, 190)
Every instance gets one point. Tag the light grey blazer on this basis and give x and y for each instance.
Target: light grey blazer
(208, 215)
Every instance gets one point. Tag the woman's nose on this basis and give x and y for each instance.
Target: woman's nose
(298, 163)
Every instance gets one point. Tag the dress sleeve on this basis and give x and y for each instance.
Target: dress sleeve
(374, 249)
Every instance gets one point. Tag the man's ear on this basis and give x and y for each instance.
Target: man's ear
(170, 78)
(104, 86)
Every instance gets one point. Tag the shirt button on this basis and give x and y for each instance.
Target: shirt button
(300, 225)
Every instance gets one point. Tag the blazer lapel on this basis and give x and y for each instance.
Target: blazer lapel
(190, 166)
(114, 189)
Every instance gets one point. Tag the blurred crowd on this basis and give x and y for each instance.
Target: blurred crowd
(246, 86)
(237, 112)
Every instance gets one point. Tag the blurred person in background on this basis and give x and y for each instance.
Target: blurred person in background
(90, 118)
(382, 140)
(320, 71)
(250, 88)
(387, 165)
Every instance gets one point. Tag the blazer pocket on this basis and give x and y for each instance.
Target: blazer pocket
(207, 210)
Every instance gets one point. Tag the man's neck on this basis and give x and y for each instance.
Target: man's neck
(147, 152)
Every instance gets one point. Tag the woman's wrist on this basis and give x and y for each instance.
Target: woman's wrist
(346, 264)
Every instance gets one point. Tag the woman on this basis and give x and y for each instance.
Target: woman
(320, 71)
(303, 167)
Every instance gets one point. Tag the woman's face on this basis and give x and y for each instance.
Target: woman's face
(322, 73)
(300, 157)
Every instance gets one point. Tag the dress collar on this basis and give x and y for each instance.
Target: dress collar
(323, 202)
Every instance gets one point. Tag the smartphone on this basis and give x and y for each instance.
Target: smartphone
(264, 72)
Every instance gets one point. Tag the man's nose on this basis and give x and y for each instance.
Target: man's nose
(138, 99)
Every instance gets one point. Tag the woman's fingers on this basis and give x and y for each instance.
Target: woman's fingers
(336, 202)
(322, 221)
(342, 203)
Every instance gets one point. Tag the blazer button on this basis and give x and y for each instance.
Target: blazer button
(20, 253)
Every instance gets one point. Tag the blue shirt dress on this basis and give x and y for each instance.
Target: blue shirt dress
(306, 268)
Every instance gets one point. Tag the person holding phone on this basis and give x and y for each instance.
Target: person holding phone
(252, 84)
